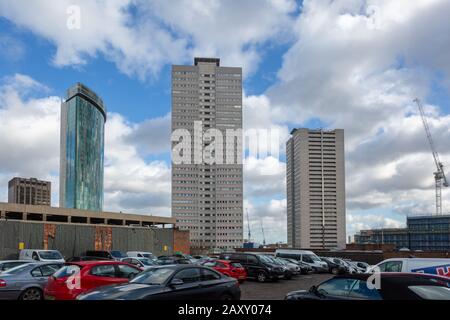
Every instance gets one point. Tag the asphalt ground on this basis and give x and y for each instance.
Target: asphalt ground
(253, 290)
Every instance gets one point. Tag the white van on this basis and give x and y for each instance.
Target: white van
(439, 266)
(305, 256)
(41, 255)
(141, 254)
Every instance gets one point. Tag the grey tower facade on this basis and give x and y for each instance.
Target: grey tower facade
(29, 191)
(83, 118)
(315, 177)
(207, 198)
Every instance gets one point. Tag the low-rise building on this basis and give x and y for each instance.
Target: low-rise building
(426, 233)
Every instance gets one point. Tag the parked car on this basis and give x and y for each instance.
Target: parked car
(422, 265)
(348, 268)
(293, 267)
(179, 282)
(140, 262)
(363, 265)
(141, 254)
(304, 268)
(356, 268)
(27, 281)
(333, 267)
(78, 277)
(228, 268)
(9, 264)
(288, 272)
(112, 254)
(256, 266)
(393, 286)
(305, 256)
(41, 255)
(87, 258)
(167, 260)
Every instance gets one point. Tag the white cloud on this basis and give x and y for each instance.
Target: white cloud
(140, 37)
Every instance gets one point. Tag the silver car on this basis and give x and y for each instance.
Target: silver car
(27, 282)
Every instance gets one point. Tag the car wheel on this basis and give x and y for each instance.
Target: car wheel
(31, 294)
(335, 271)
(262, 277)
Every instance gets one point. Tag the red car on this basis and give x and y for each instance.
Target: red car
(228, 268)
(78, 277)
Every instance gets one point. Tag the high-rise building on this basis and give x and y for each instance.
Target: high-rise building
(83, 118)
(316, 189)
(29, 191)
(207, 196)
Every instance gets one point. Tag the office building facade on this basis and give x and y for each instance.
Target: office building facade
(426, 233)
(29, 191)
(207, 196)
(315, 176)
(83, 117)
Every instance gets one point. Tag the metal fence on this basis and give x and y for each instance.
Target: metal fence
(73, 240)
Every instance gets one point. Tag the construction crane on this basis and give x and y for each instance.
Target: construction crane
(248, 226)
(439, 175)
(264, 237)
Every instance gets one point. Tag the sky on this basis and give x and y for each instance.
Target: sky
(355, 65)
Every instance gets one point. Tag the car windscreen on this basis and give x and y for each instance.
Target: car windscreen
(313, 257)
(266, 259)
(147, 262)
(149, 256)
(50, 255)
(17, 269)
(431, 292)
(66, 271)
(236, 265)
(154, 276)
(118, 254)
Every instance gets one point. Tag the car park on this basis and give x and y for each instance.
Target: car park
(78, 277)
(256, 266)
(305, 256)
(41, 255)
(27, 281)
(176, 282)
(111, 254)
(9, 264)
(334, 267)
(141, 262)
(439, 266)
(393, 286)
(228, 268)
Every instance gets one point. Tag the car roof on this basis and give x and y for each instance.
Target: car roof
(393, 275)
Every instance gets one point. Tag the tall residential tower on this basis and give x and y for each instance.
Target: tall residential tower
(207, 198)
(83, 118)
(316, 189)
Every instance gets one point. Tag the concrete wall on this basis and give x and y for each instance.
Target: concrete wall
(74, 239)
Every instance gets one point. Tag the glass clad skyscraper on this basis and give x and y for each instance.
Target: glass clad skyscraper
(83, 117)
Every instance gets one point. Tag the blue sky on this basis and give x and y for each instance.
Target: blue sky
(331, 64)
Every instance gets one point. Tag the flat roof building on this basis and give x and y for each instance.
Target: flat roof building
(207, 191)
(315, 177)
(83, 117)
(29, 191)
(426, 233)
